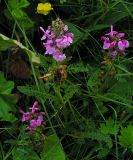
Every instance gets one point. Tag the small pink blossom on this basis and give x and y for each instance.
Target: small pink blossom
(114, 42)
(46, 33)
(65, 28)
(65, 40)
(122, 44)
(114, 53)
(59, 56)
(50, 47)
(111, 33)
(34, 118)
(25, 116)
(34, 107)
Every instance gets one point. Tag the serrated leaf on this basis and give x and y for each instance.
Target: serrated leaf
(110, 127)
(126, 137)
(24, 153)
(52, 149)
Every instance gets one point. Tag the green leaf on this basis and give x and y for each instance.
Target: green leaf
(6, 43)
(110, 127)
(18, 13)
(24, 153)
(53, 149)
(120, 11)
(7, 100)
(126, 137)
(17, 4)
(5, 86)
(62, 1)
(96, 135)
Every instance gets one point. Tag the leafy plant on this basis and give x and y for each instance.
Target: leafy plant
(7, 100)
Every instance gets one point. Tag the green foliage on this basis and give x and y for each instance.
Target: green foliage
(62, 1)
(52, 149)
(110, 127)
(6, 43)
(24, 152)
(79, 67)
(100, 137)
(7, 100)
(89, 109)
(15, 9)
(126, 137)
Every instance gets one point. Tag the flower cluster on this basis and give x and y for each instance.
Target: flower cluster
(114, 42)
(34, 117)
(44, 8)
(56, 38)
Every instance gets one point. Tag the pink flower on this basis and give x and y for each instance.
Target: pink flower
(59, 56)
(33, 118)
(114, 53)
(46, 33)
(115, 42)
(65, 27)
(111, 33)
(56, 39)
(122, 44)
(65, 40)
(25, 116)
(50, 47)
(120, 35)
(34, 107)
(106, 45)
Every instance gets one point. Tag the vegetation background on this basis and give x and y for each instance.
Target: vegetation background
(89, 114)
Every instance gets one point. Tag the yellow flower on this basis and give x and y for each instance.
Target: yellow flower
(44, 8)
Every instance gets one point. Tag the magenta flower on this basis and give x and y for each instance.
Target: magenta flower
(34, 107)
(25, 116)
(59, 56)
(111, 33)
(56, 39)
(114, 42)
(122, 44)
(46, 33)
(34, 118)
(114, 53)
(65, 40)
(50, 47)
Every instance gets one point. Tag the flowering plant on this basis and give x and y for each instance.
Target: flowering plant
(56, 39)
(44, 8)
(114, 42)
(34, 117)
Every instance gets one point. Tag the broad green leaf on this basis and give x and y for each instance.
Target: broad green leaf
(7, 100)
(18, 13)
(16, 4)
(24, 153)
(126, 137)
(7, 103)
(6, 43)
(5, 86)
(53, 149)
